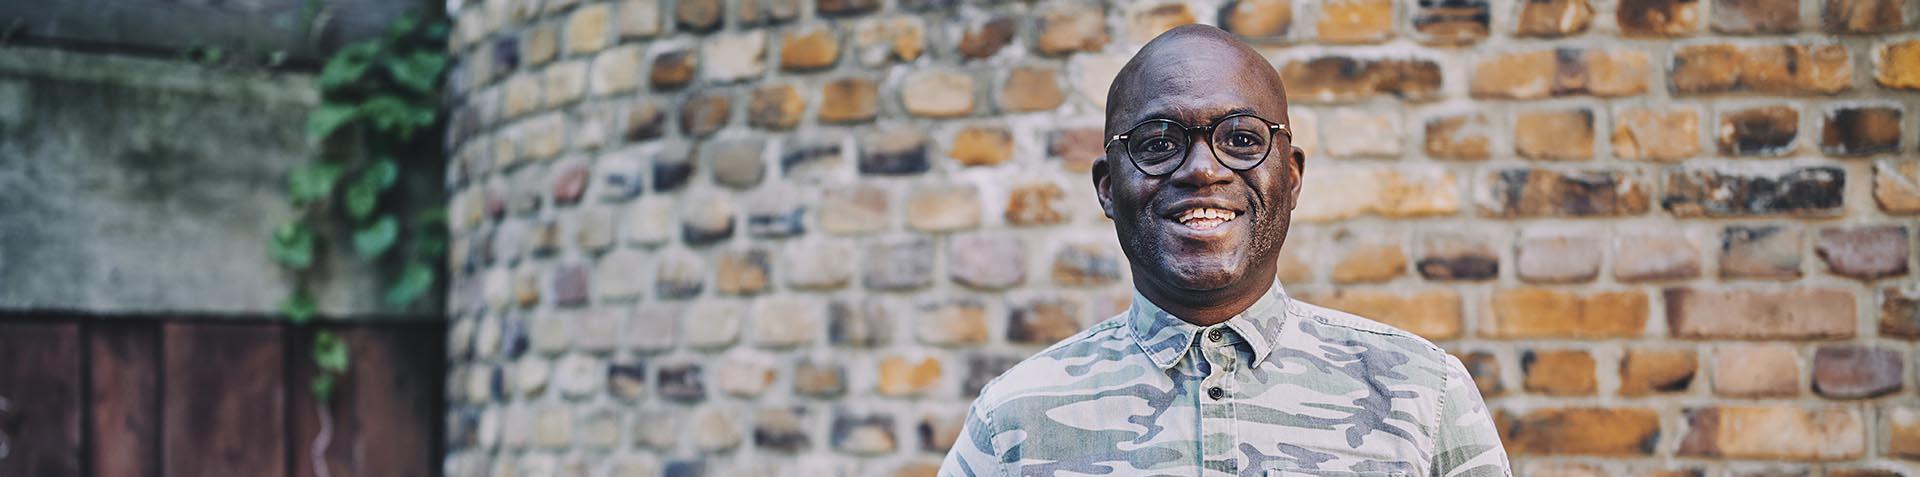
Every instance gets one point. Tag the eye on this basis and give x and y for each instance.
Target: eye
(1158, 145)
(1241, 139)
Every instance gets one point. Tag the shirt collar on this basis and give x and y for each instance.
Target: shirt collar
(1165, 338)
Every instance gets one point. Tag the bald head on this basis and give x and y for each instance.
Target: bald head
(1192, 58)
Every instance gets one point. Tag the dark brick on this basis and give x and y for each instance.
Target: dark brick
(1485, 369)
(1867, 252)
(863, 325)
(1856, 372)
(1043, 322)
(863, 434)
(1546, 192)
(1762, 131)
(986, 38)
(570, 284)
(835, 8)
(506, 55)
(781, 429)
(682, 382)
(1861, 131)
(672, 69)
(1808, 191)
(645, 121)
(1756, 16)
(705, 112)
(800, 157)
(1900, 313)
(685, 468)
(1658, 17)
(699, 16)
(1863, 16)
(1343, 79)
(1451, 22)
(894, 151)
(981, 369)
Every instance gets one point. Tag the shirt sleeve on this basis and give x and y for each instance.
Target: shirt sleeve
(972, 454)
(1466, 443)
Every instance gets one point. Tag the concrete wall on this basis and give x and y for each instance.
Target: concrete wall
(145, 186)
(784, 237)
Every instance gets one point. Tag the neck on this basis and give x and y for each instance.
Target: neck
(1204, 307)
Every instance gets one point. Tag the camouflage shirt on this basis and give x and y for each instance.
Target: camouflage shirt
(1285, 388)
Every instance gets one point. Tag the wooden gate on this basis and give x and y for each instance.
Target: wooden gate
(156, 397)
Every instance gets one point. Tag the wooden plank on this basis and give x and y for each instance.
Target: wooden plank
(124, 398)
(385, 412)
(40, 399)
(223, 400)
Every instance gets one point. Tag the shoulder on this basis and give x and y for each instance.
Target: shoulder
(1064, 366)
(1376, 340)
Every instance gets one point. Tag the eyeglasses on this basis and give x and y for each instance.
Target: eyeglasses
(1159, 146)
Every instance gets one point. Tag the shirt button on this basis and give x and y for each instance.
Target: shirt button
(1215, 335)
(1216, 393)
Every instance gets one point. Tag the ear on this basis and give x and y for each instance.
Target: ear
(1299, 171)
(1101, 187)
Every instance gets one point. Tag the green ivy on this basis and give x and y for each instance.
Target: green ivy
(381, 100)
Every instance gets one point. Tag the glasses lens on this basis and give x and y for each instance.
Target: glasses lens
(1157, 146)
(1242, 141)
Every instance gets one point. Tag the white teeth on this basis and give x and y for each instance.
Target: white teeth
(1206, 213)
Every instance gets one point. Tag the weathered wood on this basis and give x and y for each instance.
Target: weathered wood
(40, 399)
(384, 412)
(124, 398)
(252, 27)
(223, 400)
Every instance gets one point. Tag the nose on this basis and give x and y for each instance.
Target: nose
(1201, 168)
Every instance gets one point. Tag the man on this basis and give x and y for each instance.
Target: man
(1214, 370)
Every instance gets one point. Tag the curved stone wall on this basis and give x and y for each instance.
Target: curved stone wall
(754, 237)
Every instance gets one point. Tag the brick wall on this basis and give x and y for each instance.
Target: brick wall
(738, 236)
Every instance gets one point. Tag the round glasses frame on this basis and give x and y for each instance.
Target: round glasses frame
(1187, 143)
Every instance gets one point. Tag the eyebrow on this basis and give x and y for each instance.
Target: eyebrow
(1165, 114)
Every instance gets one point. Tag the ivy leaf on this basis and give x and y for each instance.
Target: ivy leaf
(299, 307)
(322, 386)
(312, 182)
(292, 246)
(403, 25)
(328, 118)
(393, 114)
(362, 196)
(419, 71)
(375, 239)
(347, 66)
(381, 175)
(330, 352)
(414, 282)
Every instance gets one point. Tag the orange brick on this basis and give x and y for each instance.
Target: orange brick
(1584, 431)
(1559, 372)
(1647, 371)
(1433, 314)
(1549, 313)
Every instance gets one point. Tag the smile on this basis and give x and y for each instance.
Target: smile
(1205, 218)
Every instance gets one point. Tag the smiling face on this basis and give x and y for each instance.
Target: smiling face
(1203, 236)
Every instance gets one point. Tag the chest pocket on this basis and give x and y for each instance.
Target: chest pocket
(1329, 473)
